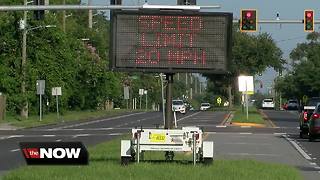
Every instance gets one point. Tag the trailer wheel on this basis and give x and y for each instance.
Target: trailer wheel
(169, 155)
(125, 161)
(207, 161)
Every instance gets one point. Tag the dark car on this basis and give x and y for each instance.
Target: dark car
(292, 105)
(314, 124)
(306, 113)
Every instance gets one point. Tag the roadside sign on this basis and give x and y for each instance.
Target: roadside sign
(219, 100)
(126, 92)
(56, 91)
(41, 85)
(145, 92)
(141, 92)
(246, 85)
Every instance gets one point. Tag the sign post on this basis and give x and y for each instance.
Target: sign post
(246, 86)
(141, 92)
(41, 84)
(126, 95)
(146, 93)
(56, 91)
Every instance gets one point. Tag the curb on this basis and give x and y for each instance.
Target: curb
(227, 120)
(267, 119)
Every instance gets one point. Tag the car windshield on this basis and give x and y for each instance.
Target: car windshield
(205, 104)
(292, 101)
(267, 100)
(177, 102)
(313, 102)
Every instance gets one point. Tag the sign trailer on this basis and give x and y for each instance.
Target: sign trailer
(169, 42)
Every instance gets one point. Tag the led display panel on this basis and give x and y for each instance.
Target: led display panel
(170, 42)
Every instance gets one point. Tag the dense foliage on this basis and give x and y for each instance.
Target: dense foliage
(251, 55)
(303, 79)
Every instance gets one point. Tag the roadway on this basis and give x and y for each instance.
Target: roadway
(271, 144)
(289, 122)
(91, 132)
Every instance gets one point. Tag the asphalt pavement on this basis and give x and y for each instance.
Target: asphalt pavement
(271, 144)
(92, 132)
(289, 122)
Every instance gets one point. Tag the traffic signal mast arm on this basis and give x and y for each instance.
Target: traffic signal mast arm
(84, 7)
(273, 21)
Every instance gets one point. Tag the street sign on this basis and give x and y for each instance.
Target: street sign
(219, 101)
(41, 85)
(170, 42)
(141, 92)
(246, 84)
(145, 92)
(56, 91)
(126, 92)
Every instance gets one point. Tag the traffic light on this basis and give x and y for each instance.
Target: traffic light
(308, 21)
(248, 20)
(38, 14)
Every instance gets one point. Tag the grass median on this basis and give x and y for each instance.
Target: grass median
(105, 164)
(240, 116)
(51, 118)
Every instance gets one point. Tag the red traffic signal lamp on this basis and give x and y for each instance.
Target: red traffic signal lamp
(248, 20)
(308, 21)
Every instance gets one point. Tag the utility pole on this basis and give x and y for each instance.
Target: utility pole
(24, 110)
(64, 18)
(90, 14)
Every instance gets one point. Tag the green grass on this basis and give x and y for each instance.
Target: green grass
(104, 164)
(254, 116)
(51, 118)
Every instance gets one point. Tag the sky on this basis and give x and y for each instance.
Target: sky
(286, 36)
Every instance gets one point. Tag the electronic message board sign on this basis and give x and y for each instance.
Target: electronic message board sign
(170, 42)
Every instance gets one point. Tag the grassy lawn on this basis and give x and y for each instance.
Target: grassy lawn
(51, 118)
(105, 164)
(254, 116)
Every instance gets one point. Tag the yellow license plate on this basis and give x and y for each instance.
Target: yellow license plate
(157, 137)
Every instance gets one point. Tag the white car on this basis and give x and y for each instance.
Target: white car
(267, 104)
(178, 106)
(204, 106)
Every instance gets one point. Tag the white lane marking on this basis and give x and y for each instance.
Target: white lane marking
(245, 133)
(15, 136)
(58, 140)
(295, 145)
(49, 135)
(221, 126)
(188, 116)
(115, 134)
(317, 167)
(14, 150)
(81, 135)
(97, 121)
(279, 133)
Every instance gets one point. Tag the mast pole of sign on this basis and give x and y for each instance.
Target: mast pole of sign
(40, 102)
(247, 104)
(169, 114)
